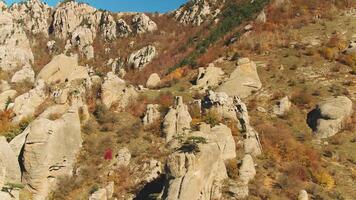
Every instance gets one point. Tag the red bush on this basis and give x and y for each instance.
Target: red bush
(108, 154)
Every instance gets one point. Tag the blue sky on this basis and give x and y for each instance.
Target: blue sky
(127, 5)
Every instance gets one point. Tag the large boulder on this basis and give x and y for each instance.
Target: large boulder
(282, 107)
(26, 104)
(328, 117)
(152, 114)
(303, 195)
(25, 74)
(63, 69)
(142, 57)
(115, 90)
(243, 81)
(195, 176)
(15, 49)
(177, 120)
(10, 173)
(141, 23)
(208, 77)
(34, 14)
(50, 151)
(103, 193)
(153, 81)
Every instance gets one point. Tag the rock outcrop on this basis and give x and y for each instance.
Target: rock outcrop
(25, 74)
(141, 23)
(153, 81)
(208, 77)
(152, 114)
(83, 37)
(26, 104)
(50, 151)
(123, 29)
(68, 16)
(108, 26)
(243, 81)
(115, 90)
(177, 120)
(63, 69)
(34, 14)
(282, 107)
(198, 11)
(303, 195)
(142, 57)
(328, 117)
(15, 49)
(221, 103)
(10, 173)
(199, 174)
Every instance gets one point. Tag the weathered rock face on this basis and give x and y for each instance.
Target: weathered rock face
(141, 23)
(247, 170)
(123, 29)
(282, 107)
(50, 151)
(221, 103)
(153, 81)
(122, 158)
(225, 141)
(328, 117)
(108, 26)
(34, 14)
(197, 11)
(63, 69)
(25, 74)
(15, 49)
(26, 104)
(9, 171)
(115, 90)
(152, 114)
(68, 16)
(83, 37)
(207, 78)
(177, 120)
(140, 58)
(117, 66)
(243, 81)
(5, 99)
(3, 6)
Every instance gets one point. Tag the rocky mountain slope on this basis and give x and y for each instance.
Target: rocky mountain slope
(230, 99)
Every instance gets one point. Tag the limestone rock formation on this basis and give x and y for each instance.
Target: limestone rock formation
(243, 81)
(123, 29)
(4, 85)
(221, 103)
(115, 90)
(9, 171)
(25, 74)
(108, 26)
(208, 78)
(83, 38)
(140, 58)
(197, 11)
(34, 14)
(63, 69)
(117, 66)
(69, 15)
(141, 23)
(282, 107)
(26, 104)
(328, 117)
(50, 151)
(225, 141)
(15, 49)
(177, 120)
(152, 114)
(153, 81)
(195, 176)
(247, 170)
(6, 98)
